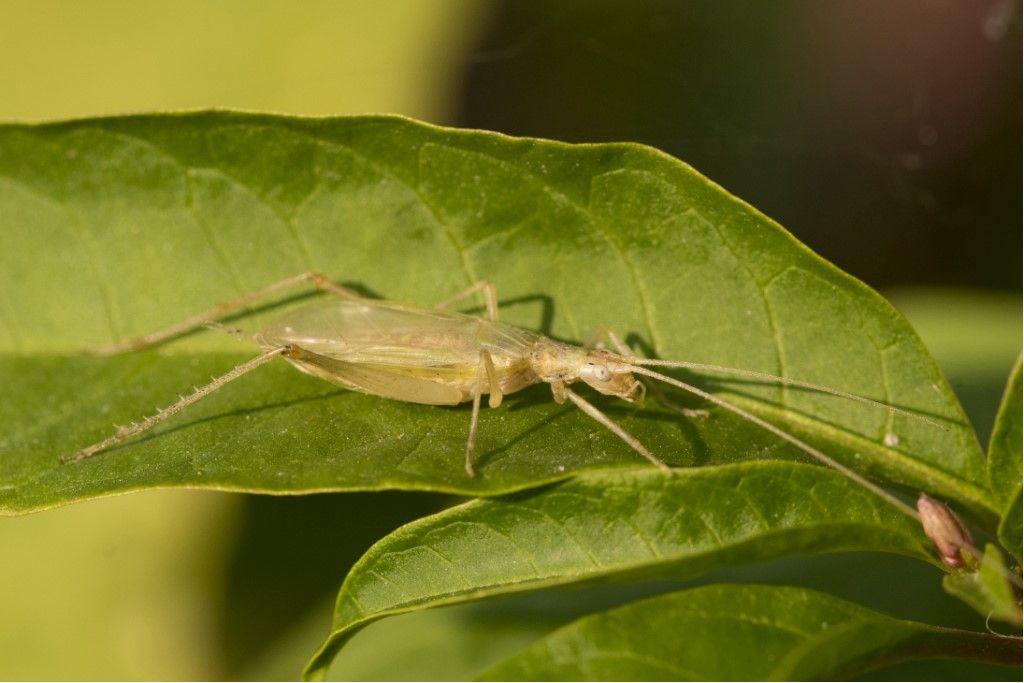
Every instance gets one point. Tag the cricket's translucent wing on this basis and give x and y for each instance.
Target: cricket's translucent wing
(380, 333)
(386, 381)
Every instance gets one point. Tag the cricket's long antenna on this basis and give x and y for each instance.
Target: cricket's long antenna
(754, 374)
(131, 430)
(802, 445)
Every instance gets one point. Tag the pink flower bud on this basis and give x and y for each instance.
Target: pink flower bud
(947, 532)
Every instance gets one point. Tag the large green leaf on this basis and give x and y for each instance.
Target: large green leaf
(772, 633)
(1004, 462)
(116, 227)
(602, 525)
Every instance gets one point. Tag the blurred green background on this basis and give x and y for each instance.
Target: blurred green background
(886, 136)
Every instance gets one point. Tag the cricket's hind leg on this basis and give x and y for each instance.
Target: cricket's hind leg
(131, 430)
(318, 280)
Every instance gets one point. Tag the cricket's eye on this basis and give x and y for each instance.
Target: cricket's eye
(598, 372)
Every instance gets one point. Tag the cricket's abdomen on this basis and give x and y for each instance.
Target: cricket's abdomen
(402, 353)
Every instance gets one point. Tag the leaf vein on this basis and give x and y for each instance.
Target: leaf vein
(780, 368)
(207, 233)
(558, 523)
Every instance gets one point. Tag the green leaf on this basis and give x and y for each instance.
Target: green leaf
(1004, 449)
(1004, 462)
(1010, 529)
(973, 335)
(117, 227)
(636, 523)
(987, 589)
(738, 632)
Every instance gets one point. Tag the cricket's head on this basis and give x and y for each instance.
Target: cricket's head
(603, 370)
(607, 373)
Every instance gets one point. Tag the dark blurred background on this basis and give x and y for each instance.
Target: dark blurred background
(885, 134)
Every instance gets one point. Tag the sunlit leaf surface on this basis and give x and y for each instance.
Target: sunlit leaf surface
(116, 227)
